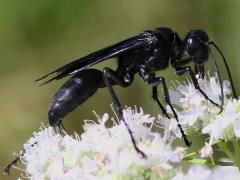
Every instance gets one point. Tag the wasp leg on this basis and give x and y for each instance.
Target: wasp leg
(181, 70)
(110, 76)
(155, 81)
(61, 126)
(15, 161)
(155, 98)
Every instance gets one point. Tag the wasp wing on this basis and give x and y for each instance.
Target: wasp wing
(99, 56)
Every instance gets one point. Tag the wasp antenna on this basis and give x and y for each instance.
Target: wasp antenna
(219, 76)
(227, 67)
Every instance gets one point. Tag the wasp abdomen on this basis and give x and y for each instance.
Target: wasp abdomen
(73, 93)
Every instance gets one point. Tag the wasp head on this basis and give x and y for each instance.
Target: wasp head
(195, 47)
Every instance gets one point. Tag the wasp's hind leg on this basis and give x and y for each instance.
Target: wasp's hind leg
(111, 77)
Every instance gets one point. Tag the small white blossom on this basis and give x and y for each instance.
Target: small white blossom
(170, 127)
(192, 101)
(200, 114)
(189, 97)
(225, 125)
(206, 151)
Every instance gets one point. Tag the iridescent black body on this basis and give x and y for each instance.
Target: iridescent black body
(74, 92)
(150, 51)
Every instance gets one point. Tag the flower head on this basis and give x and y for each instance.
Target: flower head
(100, 152)
(201, 115)
(225, 125)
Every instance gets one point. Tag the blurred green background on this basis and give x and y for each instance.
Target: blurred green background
(38, 36)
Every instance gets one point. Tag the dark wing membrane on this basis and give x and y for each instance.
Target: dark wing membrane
(97, 57)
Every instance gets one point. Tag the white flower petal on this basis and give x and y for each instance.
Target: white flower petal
(206, 151)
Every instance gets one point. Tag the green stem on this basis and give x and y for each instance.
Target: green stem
(208, 162)
(237, 152)
(223, 147)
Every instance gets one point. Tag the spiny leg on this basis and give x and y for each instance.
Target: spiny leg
(147, 75)
(108, 76)
(156, 81)
(15, 161)
(155, 98)
(181, 70)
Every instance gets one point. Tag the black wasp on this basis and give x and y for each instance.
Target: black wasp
(144, 54)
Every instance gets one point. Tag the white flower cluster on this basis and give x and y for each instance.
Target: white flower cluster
(103, 152)
(201, 116)
(100, 152)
